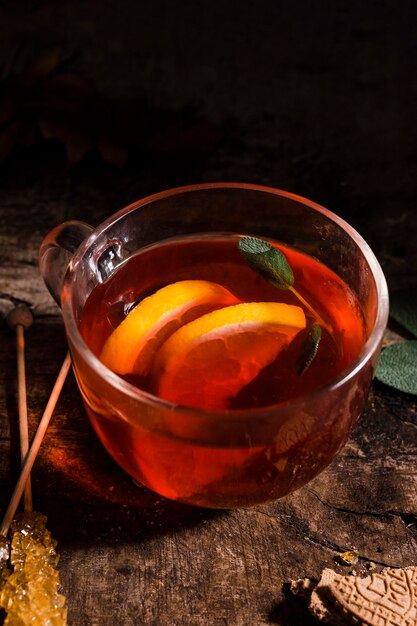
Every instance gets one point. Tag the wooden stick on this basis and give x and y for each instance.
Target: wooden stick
(23, 411)
(34, 448)
(20, 318)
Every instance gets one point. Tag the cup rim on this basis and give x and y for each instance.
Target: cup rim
(368, 349)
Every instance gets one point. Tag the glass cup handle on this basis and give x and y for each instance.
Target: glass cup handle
(56, 251)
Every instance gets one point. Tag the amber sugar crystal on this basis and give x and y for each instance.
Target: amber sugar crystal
(30, 593)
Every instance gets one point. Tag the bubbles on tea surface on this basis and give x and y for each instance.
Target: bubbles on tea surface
(117, 311)
(129, 306)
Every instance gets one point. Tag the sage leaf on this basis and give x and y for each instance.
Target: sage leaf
(403, 308)
(397, 366)
(309, 348)
(268, 261)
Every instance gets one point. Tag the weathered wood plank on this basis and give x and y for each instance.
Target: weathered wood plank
(127, 552)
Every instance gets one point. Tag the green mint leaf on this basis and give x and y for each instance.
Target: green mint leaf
(397, 366)
(403, 308)
(309, 348)
(268, 261)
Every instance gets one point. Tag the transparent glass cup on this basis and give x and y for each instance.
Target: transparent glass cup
(217, 459)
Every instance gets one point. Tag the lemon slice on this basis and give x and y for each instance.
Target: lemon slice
(209, 360)
(131, 346)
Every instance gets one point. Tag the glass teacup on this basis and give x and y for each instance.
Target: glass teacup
(216, 458)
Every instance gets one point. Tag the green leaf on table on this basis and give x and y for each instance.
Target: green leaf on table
(403, 308)
(397, 367)
(267, 260)
(309, 348)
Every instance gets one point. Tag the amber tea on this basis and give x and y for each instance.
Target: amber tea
(243, 361)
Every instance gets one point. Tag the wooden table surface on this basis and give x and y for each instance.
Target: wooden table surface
(128, 556)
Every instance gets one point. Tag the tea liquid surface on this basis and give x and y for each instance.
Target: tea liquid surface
(218, 259)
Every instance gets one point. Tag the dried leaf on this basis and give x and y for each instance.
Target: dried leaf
(43, 64)
(46, 100)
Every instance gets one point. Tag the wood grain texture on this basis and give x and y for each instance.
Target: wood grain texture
(128, 553)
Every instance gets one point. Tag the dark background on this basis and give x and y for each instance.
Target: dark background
(105, 102)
